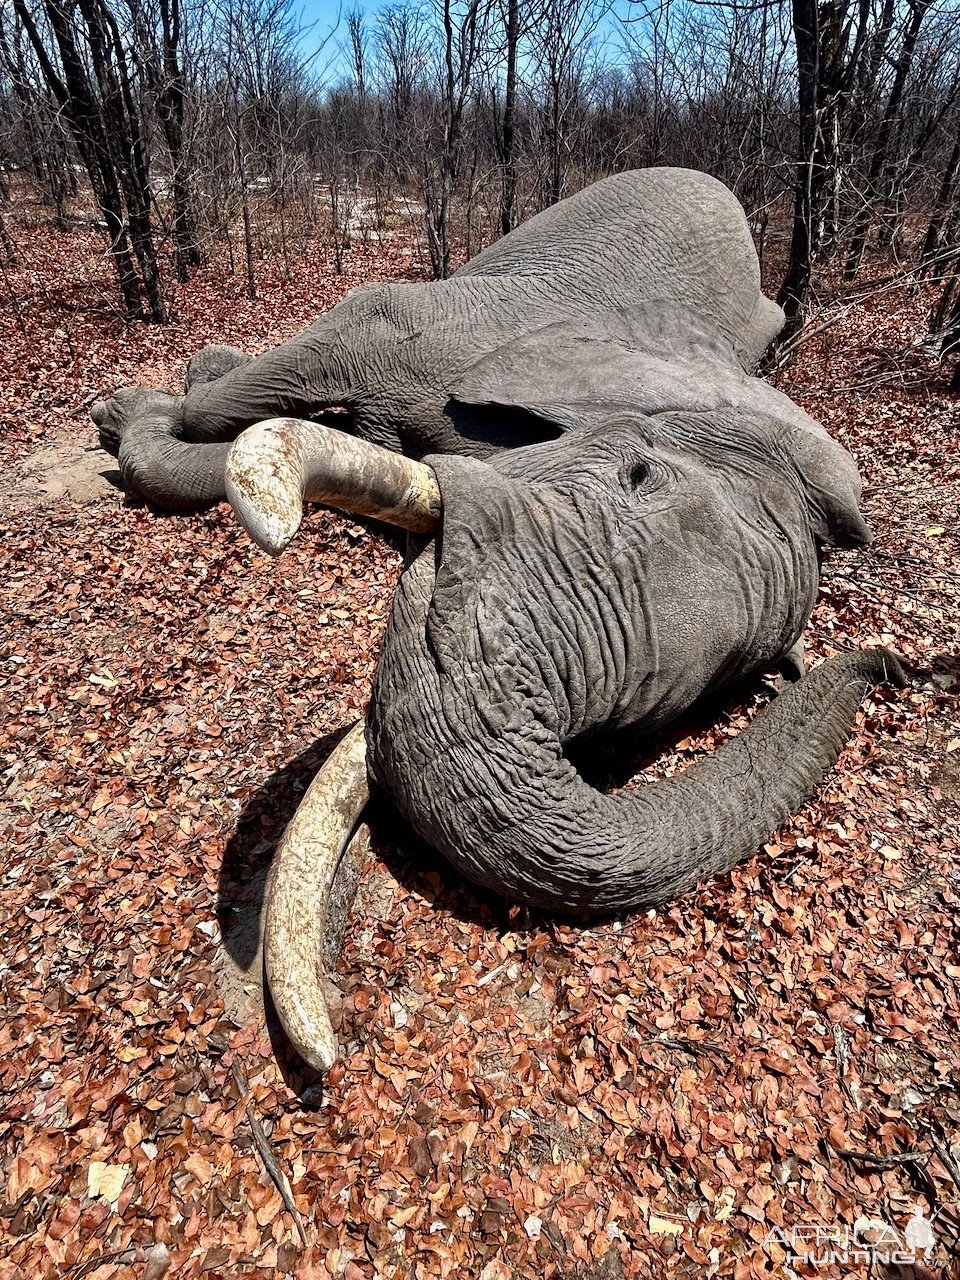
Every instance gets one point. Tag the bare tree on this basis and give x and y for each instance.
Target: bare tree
(358, 50)
(107, 128)
(565, 52)
(830, 36)
(507, 132)
(158, 28)
(945, 198)
(33, 135)
(880, 176)
(474, 112)
(464, 29)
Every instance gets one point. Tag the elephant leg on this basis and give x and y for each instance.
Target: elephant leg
(791, 666)
(173, 451)
(296, 379)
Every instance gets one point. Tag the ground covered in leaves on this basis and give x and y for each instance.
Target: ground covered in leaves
(676, 1094)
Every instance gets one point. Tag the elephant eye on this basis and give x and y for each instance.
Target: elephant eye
(639, 475)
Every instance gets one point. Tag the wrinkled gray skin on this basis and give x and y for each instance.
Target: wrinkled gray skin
(657, 538)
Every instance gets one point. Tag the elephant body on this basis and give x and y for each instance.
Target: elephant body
(630, 520)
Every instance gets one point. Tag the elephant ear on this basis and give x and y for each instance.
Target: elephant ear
(650, 358)
(826, 470)
(832, 483)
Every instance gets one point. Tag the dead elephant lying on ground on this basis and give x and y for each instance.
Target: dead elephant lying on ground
(614, 519)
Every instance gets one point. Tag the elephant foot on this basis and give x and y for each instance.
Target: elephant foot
(128, 407)
(142, 429)
(212, 362)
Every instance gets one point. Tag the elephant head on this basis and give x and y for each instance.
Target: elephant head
(603, 579)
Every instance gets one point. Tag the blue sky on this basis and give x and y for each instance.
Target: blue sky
(321, 16)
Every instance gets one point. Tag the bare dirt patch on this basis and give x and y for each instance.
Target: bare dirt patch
(64, 469)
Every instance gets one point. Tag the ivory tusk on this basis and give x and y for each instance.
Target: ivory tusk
(277, 464)
(298, 895)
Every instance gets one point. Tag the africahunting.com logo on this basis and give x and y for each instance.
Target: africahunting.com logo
(868, 1242)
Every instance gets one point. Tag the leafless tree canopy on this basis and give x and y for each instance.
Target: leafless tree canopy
(200, 121)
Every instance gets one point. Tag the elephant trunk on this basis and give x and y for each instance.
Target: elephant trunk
(588, 853)
(168, 472)
(276, 465)
(511, 812)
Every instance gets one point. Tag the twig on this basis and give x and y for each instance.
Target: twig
(892, 1161)
(489, 977)
(239, 1077)
(277, 1176)
(878, 381)
(694, 1047)
(408, 1103)
(881, 592)
(905, 490)
(945, 1158)
(783, 356)
(922, 564)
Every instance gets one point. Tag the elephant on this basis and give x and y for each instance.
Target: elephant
(609, 519)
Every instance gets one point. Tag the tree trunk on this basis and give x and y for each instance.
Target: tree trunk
(6, 242)
(829, 49)
(947, 318)
(81, 111)
(879, 165)
(171, 103)
(945, 197)
(244, 200)
(125, 138)
(508, 128)
(106, 130)
(809, 172)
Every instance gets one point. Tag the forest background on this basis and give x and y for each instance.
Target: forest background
(199, 123)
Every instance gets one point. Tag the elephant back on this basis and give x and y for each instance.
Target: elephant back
(644, 235)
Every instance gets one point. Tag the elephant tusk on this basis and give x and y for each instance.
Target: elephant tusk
(277, 464)
(298, 894)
